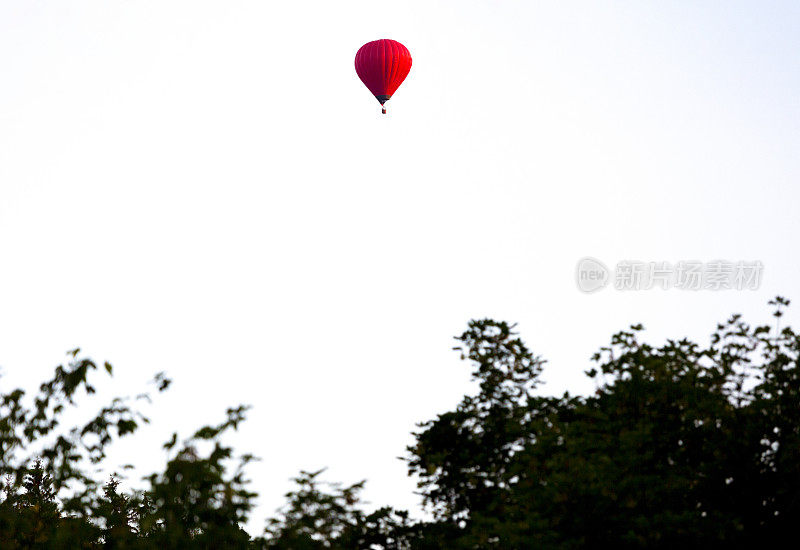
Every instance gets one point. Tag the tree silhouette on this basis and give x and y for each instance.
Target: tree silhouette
(119, 513)
(37, 508)
(680, 444)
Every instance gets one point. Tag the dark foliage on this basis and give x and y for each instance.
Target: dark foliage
(679, 445)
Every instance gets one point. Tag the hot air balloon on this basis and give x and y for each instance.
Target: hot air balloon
(382, 65)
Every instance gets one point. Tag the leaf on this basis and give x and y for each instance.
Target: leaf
(171, 443)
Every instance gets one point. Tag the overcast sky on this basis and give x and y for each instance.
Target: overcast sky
(206, 188)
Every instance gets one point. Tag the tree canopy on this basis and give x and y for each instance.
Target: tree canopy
(680, 444)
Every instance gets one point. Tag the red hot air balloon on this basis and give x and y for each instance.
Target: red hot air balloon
(382, 65)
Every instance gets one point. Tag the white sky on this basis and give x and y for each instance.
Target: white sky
(207, 188)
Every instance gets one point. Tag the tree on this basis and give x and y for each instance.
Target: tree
(37, 509)
(118, 512)
(316, 515)
(681, 444)
(321, 515)
(195, 502)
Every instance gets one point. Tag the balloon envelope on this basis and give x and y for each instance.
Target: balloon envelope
(382, 65)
